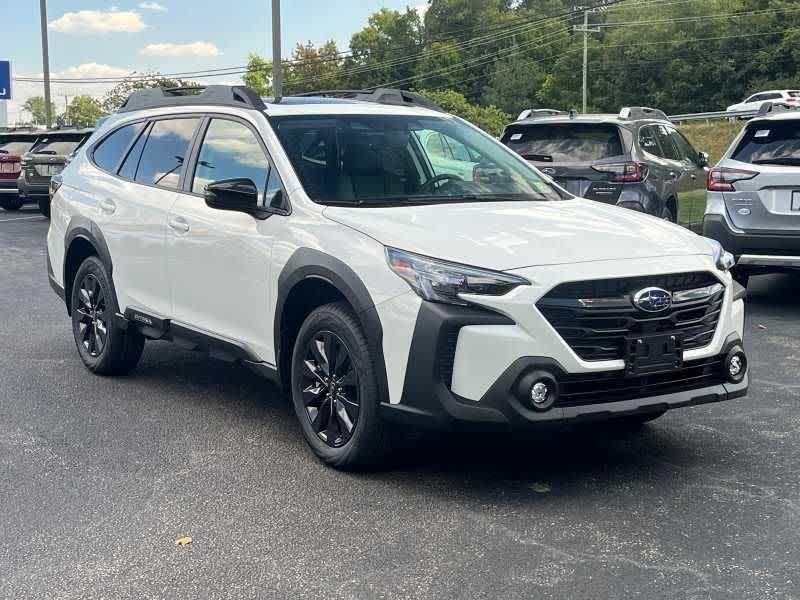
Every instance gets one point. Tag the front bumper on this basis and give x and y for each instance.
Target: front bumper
(429, 400)
(776, 250)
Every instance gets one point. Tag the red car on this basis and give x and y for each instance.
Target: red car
(13, 144)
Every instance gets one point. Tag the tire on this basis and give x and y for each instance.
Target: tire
(44, 206)
(13, 203)
(104, 347)
(667, 215)
(324, 410)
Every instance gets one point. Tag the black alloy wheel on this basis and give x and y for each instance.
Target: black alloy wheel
(91, 320)
(330, 389)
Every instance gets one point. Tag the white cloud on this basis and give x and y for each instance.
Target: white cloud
(99, 21)
(421, 9)
(87, 70)
(154, 6)
(193, 49)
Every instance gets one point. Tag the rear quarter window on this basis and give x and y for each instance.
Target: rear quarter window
(108, 154)
(769, 141)
(573, 142)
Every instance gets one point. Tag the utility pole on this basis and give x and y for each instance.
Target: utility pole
(586, 31)
(277, 84)
(48, 111)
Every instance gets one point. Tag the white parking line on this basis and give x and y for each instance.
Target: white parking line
(21, 219)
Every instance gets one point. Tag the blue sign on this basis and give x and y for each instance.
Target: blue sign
(5, 80)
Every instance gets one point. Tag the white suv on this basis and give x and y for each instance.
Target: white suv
(318, 241)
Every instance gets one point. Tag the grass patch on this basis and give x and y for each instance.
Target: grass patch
(713, 137)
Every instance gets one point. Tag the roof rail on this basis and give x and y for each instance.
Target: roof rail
(539, 113)
(770, 107)
(239, 96)
(390, 96)
(642, 112)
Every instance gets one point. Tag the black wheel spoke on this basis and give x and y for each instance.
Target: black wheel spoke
(329, 388)
(89, 318)
(84, 318)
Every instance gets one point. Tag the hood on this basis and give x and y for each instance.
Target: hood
(512, 235)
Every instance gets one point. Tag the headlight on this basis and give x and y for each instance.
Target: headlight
(441, 281)
(724, 260)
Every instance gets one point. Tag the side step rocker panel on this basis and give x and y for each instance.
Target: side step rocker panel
(159, 328)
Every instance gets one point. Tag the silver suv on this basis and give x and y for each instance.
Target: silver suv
(753, 194)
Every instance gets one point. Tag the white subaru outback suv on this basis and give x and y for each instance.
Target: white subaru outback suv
(322, 243)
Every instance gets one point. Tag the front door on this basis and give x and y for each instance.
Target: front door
(218, 260)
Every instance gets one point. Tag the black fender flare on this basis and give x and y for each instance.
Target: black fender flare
(308, 263)
(84, 228)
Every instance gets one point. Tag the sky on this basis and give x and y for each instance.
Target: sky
(93, 38)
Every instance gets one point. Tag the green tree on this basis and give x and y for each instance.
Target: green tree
(384, 50)
(489, 118)
(83, 111)
(259, 74)
(116, 96)
(35, 106)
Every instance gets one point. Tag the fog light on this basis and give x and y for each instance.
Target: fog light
(537, 390)
(735, 365)
(540, 392)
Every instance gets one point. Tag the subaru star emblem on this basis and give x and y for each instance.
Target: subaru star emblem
(652, 299)
(549, 170)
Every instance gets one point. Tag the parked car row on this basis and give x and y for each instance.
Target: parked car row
(29, 158)
(392, 266)
(639, 160)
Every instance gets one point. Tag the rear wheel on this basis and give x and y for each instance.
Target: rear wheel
(667, 214)
(44, 206)
(11, 203)
(335, 390)
(104, 347)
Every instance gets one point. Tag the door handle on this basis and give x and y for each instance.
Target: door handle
(108, 206)
(179, 224)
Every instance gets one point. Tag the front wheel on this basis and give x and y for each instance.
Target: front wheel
(335, 390)
(104, 347)
(667, 215)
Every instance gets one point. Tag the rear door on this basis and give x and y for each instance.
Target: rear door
(692, 181)
(132, 211)
(770, 200)
(568, 152)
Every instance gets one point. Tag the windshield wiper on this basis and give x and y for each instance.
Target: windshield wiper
(455, 199)
(3, 151)
(538, 157)
(49, 152)
(778, 160)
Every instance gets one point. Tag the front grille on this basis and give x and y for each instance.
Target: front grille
(596, 388)
(596, 317)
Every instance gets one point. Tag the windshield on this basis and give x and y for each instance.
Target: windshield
(770, 143)
(15, 146)
(569, 143)
(57, 145)
(392, 159)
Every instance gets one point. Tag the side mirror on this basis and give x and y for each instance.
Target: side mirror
(702, 159)
(239, 195)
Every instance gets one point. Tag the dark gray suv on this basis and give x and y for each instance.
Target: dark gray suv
(636, 159)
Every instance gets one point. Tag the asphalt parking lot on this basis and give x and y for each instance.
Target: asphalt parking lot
(98, 477)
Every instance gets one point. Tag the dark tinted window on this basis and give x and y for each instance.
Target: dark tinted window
(770, 143)
(16, 144)
(230, 150)
(648, 140)
(771, 96)
(58, 145)
(668, 149)
(165, 152)
(128, 169)
(108, 154)
(687, 152)
(575, 142)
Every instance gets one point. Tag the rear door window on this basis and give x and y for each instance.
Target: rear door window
(568, 143)
(166, 152)
(649, 142)
(108, 154)
(775, 142)
(665, 141)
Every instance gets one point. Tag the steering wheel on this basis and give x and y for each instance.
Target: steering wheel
(428, 185)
